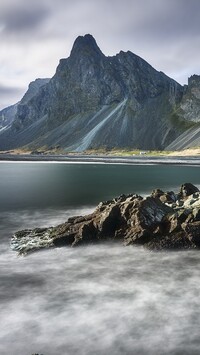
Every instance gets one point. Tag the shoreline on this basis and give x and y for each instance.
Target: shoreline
(103, 159)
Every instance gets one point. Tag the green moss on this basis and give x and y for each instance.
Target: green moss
(180, 123)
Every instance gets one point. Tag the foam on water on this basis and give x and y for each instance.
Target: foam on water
(104, 299)
(98, 299)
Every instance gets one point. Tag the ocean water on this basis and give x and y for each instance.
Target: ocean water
(104, 299)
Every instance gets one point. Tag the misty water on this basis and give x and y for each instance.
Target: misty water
(104, 299)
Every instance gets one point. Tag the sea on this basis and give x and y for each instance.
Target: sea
(94, 300)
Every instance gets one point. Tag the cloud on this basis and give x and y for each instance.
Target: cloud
(22, 16)
(8, 90)
(23, 19)
(35, 34)
(9, 94)
(171, 20)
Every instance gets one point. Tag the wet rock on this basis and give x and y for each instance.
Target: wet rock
(87, 234)
(157, 193)
(193, 232)
(173, 223)
(186, 190)
(196, 214)
(179, 203)
(138, 236)
(174, 241)
(165, 197)
(27, 241)
(129, 219)
(192, 201)
(110, 221)
(151, 212)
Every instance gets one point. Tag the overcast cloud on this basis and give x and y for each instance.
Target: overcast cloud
(35, 34)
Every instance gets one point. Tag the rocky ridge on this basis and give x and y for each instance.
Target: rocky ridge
(190, 104)
(94, 101)
(161, 221)
(187, 116)
(8, 116)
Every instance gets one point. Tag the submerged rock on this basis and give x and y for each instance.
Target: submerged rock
(129, 219)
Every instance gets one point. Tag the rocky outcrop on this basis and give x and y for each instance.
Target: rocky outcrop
(186, 116)
(190, 104)
(163, 220)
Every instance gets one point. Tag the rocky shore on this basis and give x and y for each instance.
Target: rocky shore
(161, 221)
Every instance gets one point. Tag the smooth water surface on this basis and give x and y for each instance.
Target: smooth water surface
(97, 299)
(53, 185)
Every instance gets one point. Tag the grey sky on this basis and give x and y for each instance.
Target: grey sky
(35, 34)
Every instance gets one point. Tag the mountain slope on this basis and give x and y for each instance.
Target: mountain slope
(8, 116)
(96, 101)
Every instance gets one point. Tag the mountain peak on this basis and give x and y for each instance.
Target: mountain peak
(85, 44)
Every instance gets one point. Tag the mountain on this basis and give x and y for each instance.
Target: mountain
(95, 101)
(7, 116)
(189, 111)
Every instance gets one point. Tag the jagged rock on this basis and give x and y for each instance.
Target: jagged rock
(138, 235)
(129, 219)
(87, 234)
(190, 105)
(175, 241)
(173, 223)
(187, 116)
(166, 197)
(193, 232)
(192, 201)
(186, 190)
(196, 214)
(157, 193)
(148, 213)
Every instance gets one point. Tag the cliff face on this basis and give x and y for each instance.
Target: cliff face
(7, 116)
(97, 101)
(190, 104)
(187, 116)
